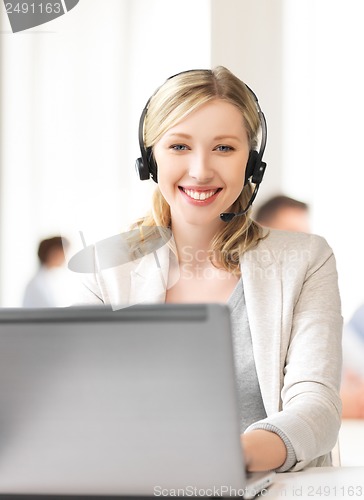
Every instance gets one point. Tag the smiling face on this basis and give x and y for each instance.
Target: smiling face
(201, 163)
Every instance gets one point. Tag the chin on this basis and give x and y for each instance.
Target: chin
(204, 221)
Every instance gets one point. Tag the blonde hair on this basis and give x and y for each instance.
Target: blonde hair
(172, 102)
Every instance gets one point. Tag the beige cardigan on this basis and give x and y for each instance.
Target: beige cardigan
(293, 306)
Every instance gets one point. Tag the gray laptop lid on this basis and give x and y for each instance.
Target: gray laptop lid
(94, 401)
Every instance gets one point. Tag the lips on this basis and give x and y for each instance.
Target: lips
(199, 194)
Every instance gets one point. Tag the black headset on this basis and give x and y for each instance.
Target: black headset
(146, 165)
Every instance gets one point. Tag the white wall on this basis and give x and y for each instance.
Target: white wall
(61, 109)
(323, 109)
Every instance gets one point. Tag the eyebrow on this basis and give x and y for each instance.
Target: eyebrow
(185, 136)
(217, 138)
(221, 137)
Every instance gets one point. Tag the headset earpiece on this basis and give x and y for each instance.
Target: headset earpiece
(142, 171)
(252, 160)
(255, 168)
(152, 165)
(146, 166)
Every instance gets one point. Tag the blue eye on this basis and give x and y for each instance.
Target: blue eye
(224, 149)
(178, 147)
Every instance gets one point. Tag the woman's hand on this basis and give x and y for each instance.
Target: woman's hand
(263, 450)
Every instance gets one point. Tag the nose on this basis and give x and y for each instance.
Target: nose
(200, 167)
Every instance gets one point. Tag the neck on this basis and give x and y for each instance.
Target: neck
(193, 242)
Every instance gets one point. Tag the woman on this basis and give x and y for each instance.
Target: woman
(199, 134)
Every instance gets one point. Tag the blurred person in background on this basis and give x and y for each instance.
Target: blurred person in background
(51, 285)
(285, 213)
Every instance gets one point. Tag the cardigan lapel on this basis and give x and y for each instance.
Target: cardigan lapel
(262, 281)
(148, 281)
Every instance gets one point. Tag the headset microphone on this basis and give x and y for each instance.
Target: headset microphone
(228, 216)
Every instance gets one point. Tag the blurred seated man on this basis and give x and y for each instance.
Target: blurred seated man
(51, 285)
(283, 212)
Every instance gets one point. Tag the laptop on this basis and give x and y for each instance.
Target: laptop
(139, 401)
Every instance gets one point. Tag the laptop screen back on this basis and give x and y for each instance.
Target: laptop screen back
(94, 401)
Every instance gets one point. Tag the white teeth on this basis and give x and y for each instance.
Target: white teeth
(198, 195)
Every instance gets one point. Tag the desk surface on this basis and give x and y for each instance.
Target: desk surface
(318, 482)
(351, 439)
